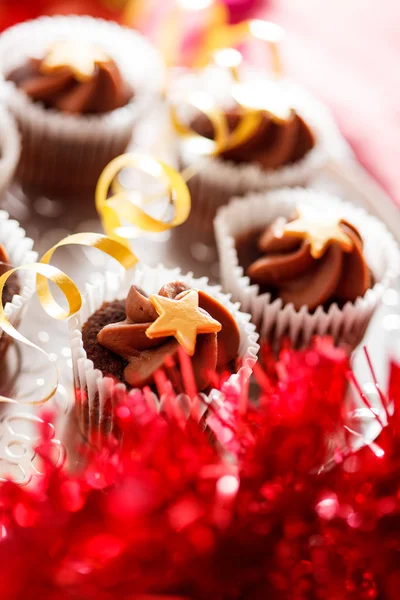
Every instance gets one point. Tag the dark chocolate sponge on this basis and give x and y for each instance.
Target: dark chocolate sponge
(103, 359)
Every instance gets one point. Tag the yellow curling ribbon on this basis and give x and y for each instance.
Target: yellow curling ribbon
(72, 294)
(46, 273)
(109, 246)
(250, 121)
(228, 36)
(220, 41)
(213, 14)
(205, 104)
(223, 139)
(118, 210)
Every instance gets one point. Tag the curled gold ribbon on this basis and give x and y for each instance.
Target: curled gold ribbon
(228, 36)
(205, 104)
(71, 293)
(118, 209)
(212, 15)
(224, 38)
(109, 246)
(46, 273)
(223, 139)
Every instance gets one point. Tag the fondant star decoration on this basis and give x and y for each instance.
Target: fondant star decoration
(182, 319)
(81, 58)
(319, 231)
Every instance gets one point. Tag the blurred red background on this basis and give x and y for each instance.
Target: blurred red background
(345, 51)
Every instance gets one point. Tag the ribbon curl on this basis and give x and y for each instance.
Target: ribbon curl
(114, 212)
(211, 16)
(223, 138)
(46, 273)
(228, 36)
(119, 208)
(107, 245)
(219, 41)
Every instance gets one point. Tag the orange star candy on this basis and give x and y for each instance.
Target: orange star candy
(319, 231)
(81, 58)
(182, 319)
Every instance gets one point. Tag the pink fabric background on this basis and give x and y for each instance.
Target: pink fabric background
(347, 52)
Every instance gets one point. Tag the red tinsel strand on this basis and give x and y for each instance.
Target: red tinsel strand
(163, 509)
(361, 512)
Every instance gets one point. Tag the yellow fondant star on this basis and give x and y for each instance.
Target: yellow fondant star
(81, 58)
(182, 319)
(319, 231)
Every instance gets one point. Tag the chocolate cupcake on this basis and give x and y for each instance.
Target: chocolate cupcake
(121, 348)
(304, 263)
(76, 94)
(15, 250)
(293, 142)
(10, 149)
(124, 335)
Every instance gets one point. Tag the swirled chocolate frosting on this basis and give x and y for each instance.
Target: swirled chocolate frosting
(284, 266)
(126, 339)
(274, 144)
(61, 87)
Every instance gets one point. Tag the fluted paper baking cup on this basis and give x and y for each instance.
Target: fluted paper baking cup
(10, 148)
(60, 149)
(275, 320)
(19, 250)
(219, 180)
(97, 393)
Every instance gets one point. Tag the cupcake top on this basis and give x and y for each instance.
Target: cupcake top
(276, 142)
(260, 117)
(132, 339)
(73, 77)
(310, 260)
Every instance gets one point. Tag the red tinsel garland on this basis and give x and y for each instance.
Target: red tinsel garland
(15, 11)
(248, 509)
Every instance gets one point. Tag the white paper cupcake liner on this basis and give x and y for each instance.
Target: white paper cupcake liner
(10, 149)
(218, 180)
(19, 250)
(86, 137)
(275, 320)
(96, 393)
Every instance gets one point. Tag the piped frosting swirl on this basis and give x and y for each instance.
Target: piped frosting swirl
(71, 79)
(274, 144)
(290, 266)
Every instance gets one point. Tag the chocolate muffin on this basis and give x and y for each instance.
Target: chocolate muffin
(76, 91)
(268, 134)
(72, 79)
(115, 339)
(304, 264)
